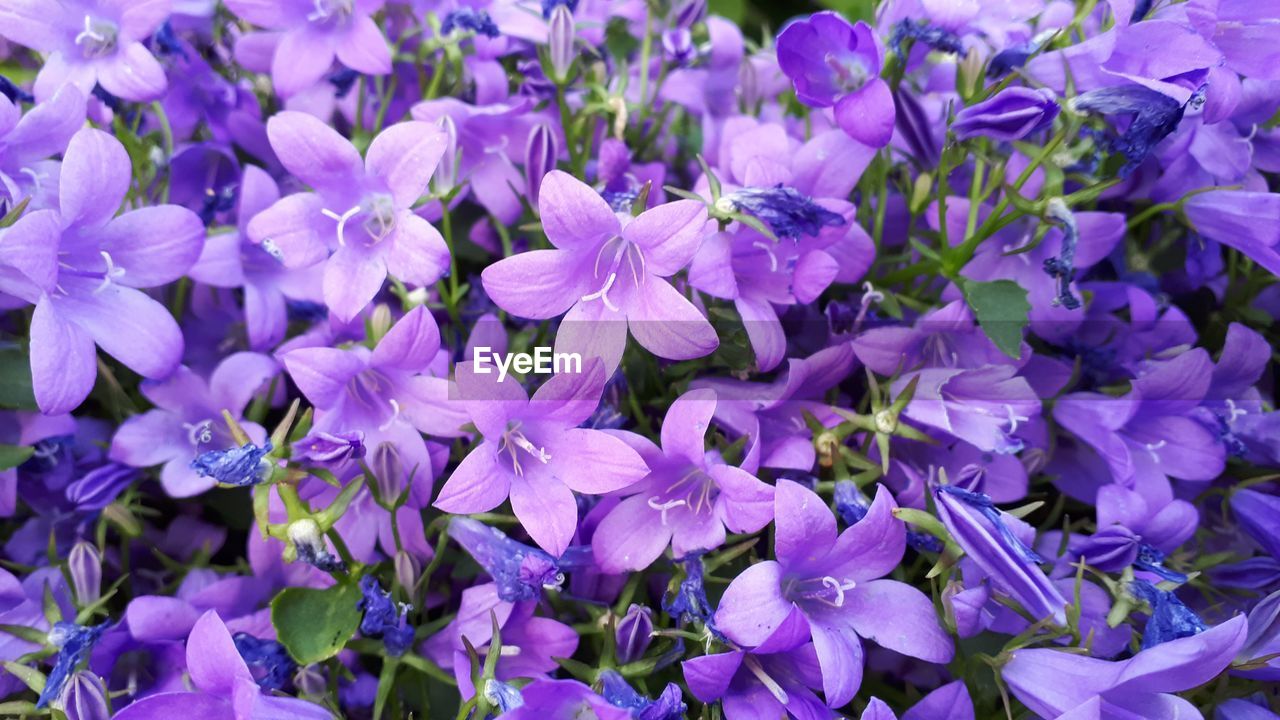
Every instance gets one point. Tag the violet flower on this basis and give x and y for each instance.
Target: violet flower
(27, 141)
(310, 34)
(363, 211)
(750, 684)
(1011, 114)
(535, 454)
(82, 267)
(90, 42)
(834, 63)
(609, 272)
(688, 499)
(825, 586)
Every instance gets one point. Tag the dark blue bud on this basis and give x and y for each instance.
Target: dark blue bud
(1003, 62)
(935, 37)
(1154, 117)
(384, 618)
(618, 693)
(242, 466)
(1170, 619)
(788, 212)
(1152, 560)
(502, 696)
(268, 661)
(690, 600)
(167, 42)
(984, 505)
(74, 642)
(1063, 267)
(519, 571)
(466, 18)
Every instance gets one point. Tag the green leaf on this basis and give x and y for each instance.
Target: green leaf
(30, 677)
(11, 456)
(1001, 308)
(314, 625)
(15, 381)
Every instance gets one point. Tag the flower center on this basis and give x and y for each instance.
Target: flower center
(616, 256)
(107, 274)
(330, 10)
(827, 590)
(695, 490)
(850, 73)
(379, 221)
(98, 38)
(515, 443)
(199, 433)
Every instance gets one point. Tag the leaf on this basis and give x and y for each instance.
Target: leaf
(30, 677)
(1001, 308)
(314, 625)
(11, 456)
(15, 381)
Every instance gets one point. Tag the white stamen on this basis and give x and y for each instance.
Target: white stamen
(343, 218)
(1153, 447)
(1014, 419)
(772, 685)
(870, 294)
(111, 273)
(1233, 411)
(89, 33)
(837, 587)
(199, 433)
(509, 651)
(603, 293)
(523, 443)
(664, 507)
(395, 413)
(773, 259)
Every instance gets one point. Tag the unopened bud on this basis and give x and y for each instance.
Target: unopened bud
(446, 174)
(688, 13)
(123, 519)
(407, 570)
(561, 37)
(379, 322)
(634, 634)
(388, 474)
(84, 565)
(85, 698)
(540, 155)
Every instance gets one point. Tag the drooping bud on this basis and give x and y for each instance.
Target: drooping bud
(240, 466)
(445, 177)
(561, 38)
(84, 565)
(633, 634)
(309, 544)
(74, 643)
(520, 572)
(85, 698)
(383, 618)
(540, 155)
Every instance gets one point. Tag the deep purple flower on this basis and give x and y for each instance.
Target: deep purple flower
(90, 42)
(362, 211)
(751, 684)
(834, 63)
(825, 586)
(1011, 114)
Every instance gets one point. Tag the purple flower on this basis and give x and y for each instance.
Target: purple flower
(309, 34)
(688, 499)
(27, 141)
(753, 684)
(363, 211)
(825, 586)
(608, 275)
(90, 42)
(82, 268)
(834, 63)
(1256, 512)
(556, 699)
(535, 453)
(1011, 114)
(1246, 221)
(1154, 116)
(225, 686)
(1053, 683)
(520, 572)
(984, 407)
(388, 393)
(187, 420)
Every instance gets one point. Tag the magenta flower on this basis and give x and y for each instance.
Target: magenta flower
(834, 63)
(362, 211)
(610, 273)
(311, 33)
(90, 42)
(82, 268)
(187, 420)
(386, 393)
(828, 587)
(688, 499)
(534, 453)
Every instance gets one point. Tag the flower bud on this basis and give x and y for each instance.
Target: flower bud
(560, 39)
(407, 570)
(446, 174)
(540, 156)
(688, 13)
(323, 447)
(1011, 114)
(388, 474)
(85, 698)
(634, 633)
(84, 565)
(309, 545)
(380, 322)
(677, 44)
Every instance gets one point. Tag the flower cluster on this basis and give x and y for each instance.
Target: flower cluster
(639, 359)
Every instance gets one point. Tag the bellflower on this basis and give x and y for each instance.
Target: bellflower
(27, 141)
(1053, 683)
(360, 210)
(563, 699)
(188, 420)
(225, 688)
(535, 454)
(609, 276)
(825, 586)
(834, 63)
(984, 407)
(387, 393)
(82, 268)
(688, 499)
(310, 34)
(1256, 513)
(753, 684)
(267, 660)
(1011, 114)
(90, 42)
